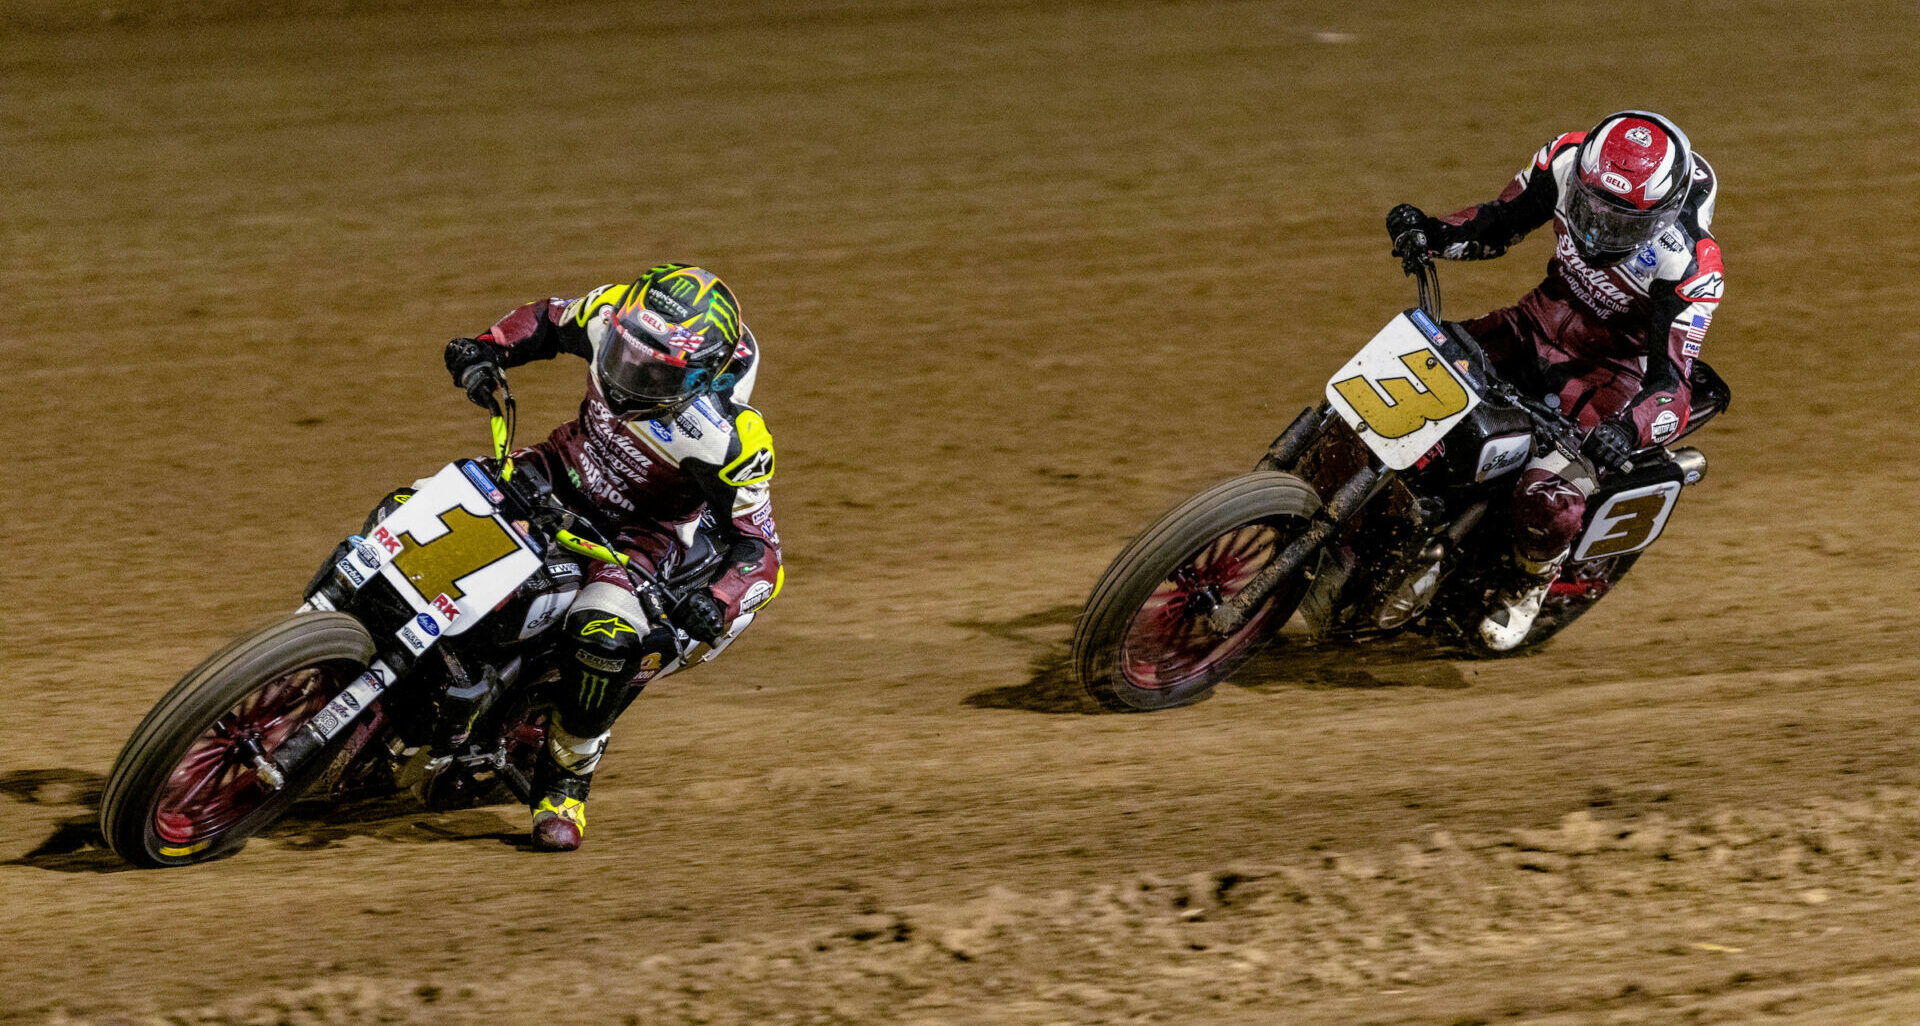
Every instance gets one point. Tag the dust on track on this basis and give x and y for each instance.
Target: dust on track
(1027, 275)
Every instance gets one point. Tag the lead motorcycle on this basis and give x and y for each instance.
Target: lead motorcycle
(419, 661)
(1375, 513)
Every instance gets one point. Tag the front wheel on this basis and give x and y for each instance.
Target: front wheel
(185, 789)
(1145, 641)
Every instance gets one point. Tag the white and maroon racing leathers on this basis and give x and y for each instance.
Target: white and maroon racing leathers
(647, 483)
(1607, 342)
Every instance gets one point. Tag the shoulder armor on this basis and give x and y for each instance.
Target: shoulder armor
(1544, 158)
(1708, 281)
(580, 311)
(754, 464)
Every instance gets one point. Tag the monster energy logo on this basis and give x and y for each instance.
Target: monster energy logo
(593, 688)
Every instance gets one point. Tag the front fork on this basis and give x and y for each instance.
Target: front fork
(1230, 615)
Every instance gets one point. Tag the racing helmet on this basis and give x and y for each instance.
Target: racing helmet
(672, 339)
(1630, 180)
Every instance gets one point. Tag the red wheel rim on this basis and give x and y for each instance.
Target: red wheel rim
(213, 786)
(1170, 642)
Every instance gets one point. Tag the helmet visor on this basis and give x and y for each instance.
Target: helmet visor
(639, 380)
(1603, 226)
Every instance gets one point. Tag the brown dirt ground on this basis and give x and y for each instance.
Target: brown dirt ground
(1027, 273)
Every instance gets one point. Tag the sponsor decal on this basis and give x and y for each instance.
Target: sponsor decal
(654, 322)
(743, 350)
(710, 411)
(563, 570)
(1665, 426)
(665, 302)
(574, 476)
(347, 700)
(1640, 136)
(756, 596)
(687, 426)
(1671, 241)
(1616, 182)
(1699, 173)
(749, 469)
(1690, 350)
(1703, 288)
(446, 607)
(481, 482)
(325, 722)
(387, 540)
(1426, 325)
(601, 662)
(611, 627)
(660, 431)
(1646, 258)
(426, 624)
(367, 553)
(649, 665)
(1500, 455)
(351, 572)
(414, 642)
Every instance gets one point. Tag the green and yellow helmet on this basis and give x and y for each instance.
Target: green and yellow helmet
(673, 338)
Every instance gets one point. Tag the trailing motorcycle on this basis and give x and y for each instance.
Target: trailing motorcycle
(1374, 513)
(419, 661)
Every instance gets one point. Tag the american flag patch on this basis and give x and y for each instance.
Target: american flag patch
(1696, 332)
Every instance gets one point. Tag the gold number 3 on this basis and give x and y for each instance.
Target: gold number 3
(1406, 408)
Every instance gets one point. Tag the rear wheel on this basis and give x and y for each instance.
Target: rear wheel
(185, 789)
(1145, 641)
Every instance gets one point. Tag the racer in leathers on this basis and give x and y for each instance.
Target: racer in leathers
(1609, 337)
(664, 435)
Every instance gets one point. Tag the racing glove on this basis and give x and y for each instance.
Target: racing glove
(1611, 445)
(701, 616)
(472, 365)
(1404, 221)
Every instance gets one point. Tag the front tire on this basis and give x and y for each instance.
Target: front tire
(1143, 642)
(183, 790)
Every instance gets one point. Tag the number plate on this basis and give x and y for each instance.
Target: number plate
(1627, 521)
(451, 556)
(1400, 393)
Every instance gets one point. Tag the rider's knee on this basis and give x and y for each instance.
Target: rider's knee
(1546, 511)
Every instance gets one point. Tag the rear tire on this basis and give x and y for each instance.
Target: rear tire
(180, 792)
(1142, 643)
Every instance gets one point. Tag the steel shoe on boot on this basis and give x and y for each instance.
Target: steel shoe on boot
(1517, 604)
(560, 816)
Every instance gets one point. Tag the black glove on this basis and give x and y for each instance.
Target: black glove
(471, 362)
(1406, 219)
(701, 615)
(1611, 445)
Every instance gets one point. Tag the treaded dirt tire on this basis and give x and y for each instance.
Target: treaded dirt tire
(1185, 534)
(334, 644)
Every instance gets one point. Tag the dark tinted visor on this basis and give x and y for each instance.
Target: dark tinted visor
(1606, 227)
(635, 376)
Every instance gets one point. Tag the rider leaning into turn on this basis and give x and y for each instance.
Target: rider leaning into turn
(1610, 336)
(664, 434)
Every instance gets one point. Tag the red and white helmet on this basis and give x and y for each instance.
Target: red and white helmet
(1632, 176)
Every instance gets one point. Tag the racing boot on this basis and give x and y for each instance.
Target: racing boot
(1516, 603)
(560, 802)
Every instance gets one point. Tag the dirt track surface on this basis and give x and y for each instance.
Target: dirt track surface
(1026, 274)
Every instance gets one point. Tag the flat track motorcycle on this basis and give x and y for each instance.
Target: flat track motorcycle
(1374, 513)
(420, 661)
